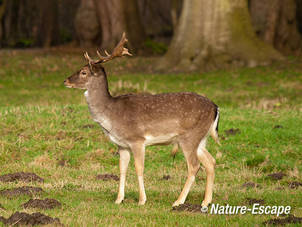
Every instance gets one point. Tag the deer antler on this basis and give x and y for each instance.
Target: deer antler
(118, 51)
(89, 59)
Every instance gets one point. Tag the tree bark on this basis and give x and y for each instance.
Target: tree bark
(116, 17)
(86, 24)
(48, 28)
(111, 19)
(176, 6)
(30, 22)
(133, 25)
(156, 18)
(215, 34)
(275, 22)
(2, 10)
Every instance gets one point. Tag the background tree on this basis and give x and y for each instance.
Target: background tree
(116, 17)
(3, 4)
(48, 23)
(25, 23)
(208, 35)
(86, 23)
(216, 34)
(176, 6)
(276, 22)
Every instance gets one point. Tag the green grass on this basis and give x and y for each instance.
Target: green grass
(42, 122)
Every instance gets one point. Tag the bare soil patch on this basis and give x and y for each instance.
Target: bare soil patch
(21, 218)
(187, 207)
(276, 176)
(232, 131)
(166, 177)
(106, 177)
(291, 219)
(277, 126)
(252, 201)
(25, 190)
(295, 184)
(257, 84)
(21, 176)
(42, 204)
(250, 185)
(62, 162)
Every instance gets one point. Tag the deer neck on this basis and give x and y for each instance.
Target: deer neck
(99, 100)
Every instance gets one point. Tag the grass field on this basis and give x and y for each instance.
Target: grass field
(46, 128)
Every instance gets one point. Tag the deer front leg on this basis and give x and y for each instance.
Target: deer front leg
(139, 158)
(124, 161)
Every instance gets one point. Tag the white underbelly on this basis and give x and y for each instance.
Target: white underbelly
(162, 139)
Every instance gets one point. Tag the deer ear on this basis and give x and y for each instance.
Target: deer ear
(97, 70)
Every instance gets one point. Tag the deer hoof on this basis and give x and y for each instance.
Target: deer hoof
(142, 202)
(204, 209)
(176, 203)
(119, 201)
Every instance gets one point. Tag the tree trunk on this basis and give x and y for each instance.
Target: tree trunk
(86, 24)
(48, 28)
(275, 22)
(156, 17)
(133, 25)
(30, 22)
(111, 20)
(2, 10)
(116, 17)
(213, 35)
(176, 6)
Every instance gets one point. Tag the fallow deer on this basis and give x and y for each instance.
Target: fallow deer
(134, 121)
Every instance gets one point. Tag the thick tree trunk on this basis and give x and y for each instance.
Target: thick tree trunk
(48, 28)
(111, 19)
(116, 17)
(86, 24)
(176, 6)
(213, 35)
(133, 25)
(275, 22)
(156, 17)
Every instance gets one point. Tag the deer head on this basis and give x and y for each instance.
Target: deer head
(81, 78)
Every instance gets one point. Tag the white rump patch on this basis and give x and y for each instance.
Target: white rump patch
(214, 126)
(202, 146)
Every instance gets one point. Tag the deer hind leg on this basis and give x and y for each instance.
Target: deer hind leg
(208, 162)
(193, 167)
(139, 158)
(124, 161)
